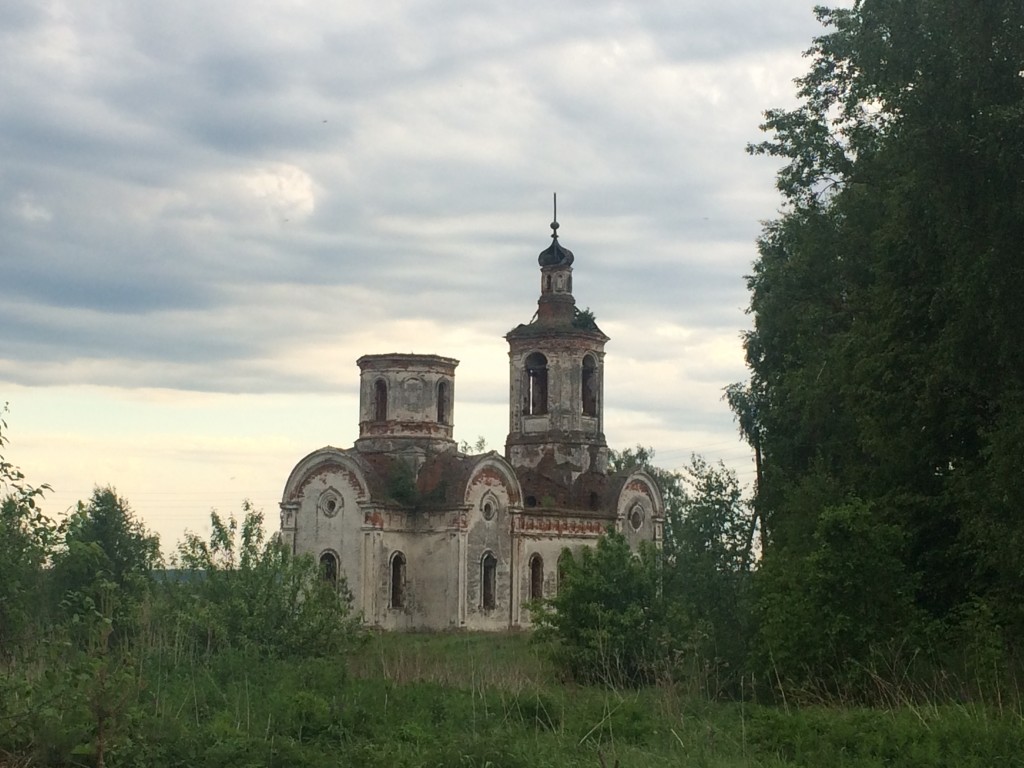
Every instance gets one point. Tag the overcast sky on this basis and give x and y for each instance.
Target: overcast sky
(210, 209)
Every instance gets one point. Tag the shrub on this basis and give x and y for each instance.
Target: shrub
(606, 623)
(240, 591)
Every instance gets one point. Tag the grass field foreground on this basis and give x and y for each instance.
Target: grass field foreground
(484, 701)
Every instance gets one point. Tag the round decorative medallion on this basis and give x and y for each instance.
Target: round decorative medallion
(330, 503)
(489, 507)
(636, 517)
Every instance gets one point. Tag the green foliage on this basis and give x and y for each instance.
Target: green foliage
(642, 457)
(169, 708)
(945, 736)
(480, 446)
(711, 531)
(607, 620)
(243, 592)
(709, 541)
(584, 319)
(104, 566)
(886, 364)
(26, 540)
(708, 559)
(831, 616)
(401, 484)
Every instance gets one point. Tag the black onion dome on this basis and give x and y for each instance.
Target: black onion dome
(555, 255)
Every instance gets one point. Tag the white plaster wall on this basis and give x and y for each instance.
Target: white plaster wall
(431, 590)
(484, 535)
(317, 532)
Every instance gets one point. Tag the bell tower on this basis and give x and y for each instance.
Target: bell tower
(556, 384)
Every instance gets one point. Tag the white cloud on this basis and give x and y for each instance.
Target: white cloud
(26, 207)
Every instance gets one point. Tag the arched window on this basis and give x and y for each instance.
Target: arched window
(547, 283)
(329, 567)
(380, 400)
(442, 402)
(536, 577)
(488, 581)
(589, 386)
(397, 580)
(536, 395)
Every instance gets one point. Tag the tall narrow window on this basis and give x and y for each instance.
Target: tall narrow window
(442, 403)
(329, 567)
(397, 580)
(536, 384)
(488, 581)
(589, 386)
(380, 400)
(536, 577)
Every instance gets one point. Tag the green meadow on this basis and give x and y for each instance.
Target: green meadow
(449, 700)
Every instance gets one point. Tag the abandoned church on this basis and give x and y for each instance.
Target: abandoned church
(428, 537)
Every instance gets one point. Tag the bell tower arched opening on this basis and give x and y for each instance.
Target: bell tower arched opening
(536, 385)
(442, 402)
(589, 386)
(380, 400)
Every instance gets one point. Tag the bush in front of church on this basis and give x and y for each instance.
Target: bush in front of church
(607, 623)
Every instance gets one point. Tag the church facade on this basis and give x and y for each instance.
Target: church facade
(428, 537)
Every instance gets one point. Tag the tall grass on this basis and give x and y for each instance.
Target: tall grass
(452, 699)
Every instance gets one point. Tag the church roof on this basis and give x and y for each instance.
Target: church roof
(555, 255)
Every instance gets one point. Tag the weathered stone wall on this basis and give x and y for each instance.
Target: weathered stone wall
(532, 540)
(430, 592)
(491, 493)
(563, 427)
(640, 510)
(326, 512)
(405, 398)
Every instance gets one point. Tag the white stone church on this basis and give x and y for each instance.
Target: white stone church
(428, 537)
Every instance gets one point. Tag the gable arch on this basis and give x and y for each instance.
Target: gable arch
(636, 485)
(319, 461)
(640, 507)
(490, 468)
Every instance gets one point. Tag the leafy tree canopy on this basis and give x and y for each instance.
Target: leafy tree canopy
(887, 373)
(102, 569)
(26, 540)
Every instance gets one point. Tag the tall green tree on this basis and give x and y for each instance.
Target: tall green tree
(707, 560)
(27, 538)
(886, 298)
(105, 565)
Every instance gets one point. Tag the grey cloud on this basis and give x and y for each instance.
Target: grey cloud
(470, 115)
